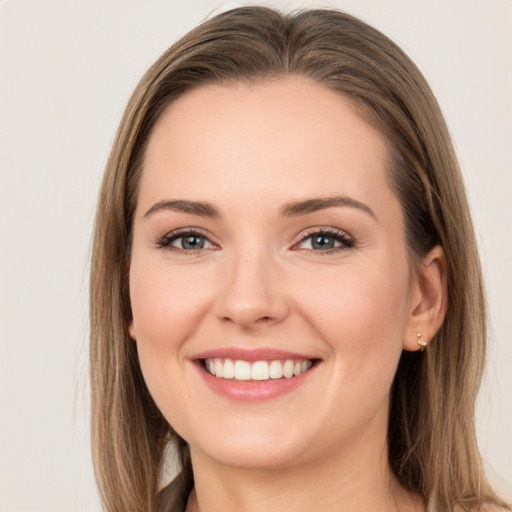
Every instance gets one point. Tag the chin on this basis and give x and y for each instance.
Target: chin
(256, 455)
(268, 448)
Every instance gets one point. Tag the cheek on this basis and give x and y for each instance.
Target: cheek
(165, 305)
(166, 308)
(361, 317)
(356, 303)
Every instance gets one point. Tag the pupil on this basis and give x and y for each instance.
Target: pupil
(192, 242)
(323, 242)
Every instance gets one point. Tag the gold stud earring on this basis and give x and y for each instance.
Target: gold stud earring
(420, 342)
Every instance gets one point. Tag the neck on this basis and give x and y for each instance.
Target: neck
(353, 478)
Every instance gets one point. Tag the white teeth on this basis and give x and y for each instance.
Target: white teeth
(218, 368)
(259, 370)
(229, 369)
(242, 370)
(288, 369)
(276, 370)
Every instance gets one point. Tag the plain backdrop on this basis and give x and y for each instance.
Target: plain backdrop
(67, 69)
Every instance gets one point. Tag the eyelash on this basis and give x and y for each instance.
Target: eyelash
(166, 241)
(346, 241)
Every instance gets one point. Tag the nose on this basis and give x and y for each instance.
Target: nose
(252, 294)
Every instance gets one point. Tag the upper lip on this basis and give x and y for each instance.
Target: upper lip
(256, 354)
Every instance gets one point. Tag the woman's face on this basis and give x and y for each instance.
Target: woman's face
(267, 241)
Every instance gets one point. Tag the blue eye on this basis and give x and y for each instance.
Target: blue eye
(188, 241)
(191, 242)
(326, 241)
(323, 242)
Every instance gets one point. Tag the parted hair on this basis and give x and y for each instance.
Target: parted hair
(432, 446)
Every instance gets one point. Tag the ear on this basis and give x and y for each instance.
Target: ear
(428, 299)
(131, 330)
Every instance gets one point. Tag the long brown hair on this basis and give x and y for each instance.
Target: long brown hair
(431, 435)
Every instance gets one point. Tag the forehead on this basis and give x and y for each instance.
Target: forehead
(289, 135)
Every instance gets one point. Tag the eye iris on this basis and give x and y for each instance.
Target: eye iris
(322, 242)
(192, 242)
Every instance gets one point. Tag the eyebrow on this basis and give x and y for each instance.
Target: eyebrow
(294, 209)
(316, 204)
(200, 208)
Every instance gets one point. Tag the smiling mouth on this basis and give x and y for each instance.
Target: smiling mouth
(225, 368)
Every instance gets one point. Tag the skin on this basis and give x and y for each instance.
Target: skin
(250, 150)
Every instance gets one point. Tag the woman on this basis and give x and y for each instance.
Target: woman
(285, 282)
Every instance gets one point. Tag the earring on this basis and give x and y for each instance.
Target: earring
(420, 342)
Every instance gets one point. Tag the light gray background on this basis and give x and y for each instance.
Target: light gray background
(67, 69)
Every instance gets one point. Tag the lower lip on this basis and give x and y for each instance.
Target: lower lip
(253, 391)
